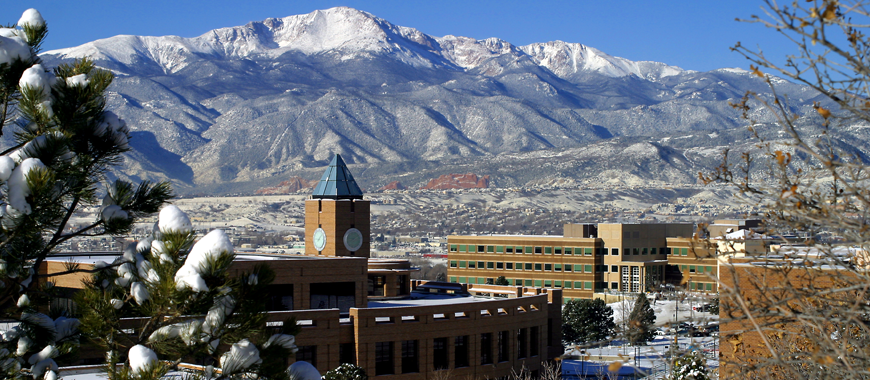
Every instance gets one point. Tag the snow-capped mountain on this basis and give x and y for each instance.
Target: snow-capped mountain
(255, 104)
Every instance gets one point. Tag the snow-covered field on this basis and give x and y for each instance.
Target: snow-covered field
(652, 359)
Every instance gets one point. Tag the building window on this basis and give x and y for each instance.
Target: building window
(530, 250)
(504, 345)
(537, 266)
(472, 265)
(480, 265)
(534, 338)
(652, 251)
(439, 354)
(462, 248)
(518, 282)
(614, 251)
(453, 263)
(486, 348)
(527, 282)
(307, 354)
(376, 286)
(410, 356)
(528, 266)
(490, 265)
(643, 251)
(522, 343)
(569, 268)
(346, 353)
(548, 250)
(509, 266)
(691, 269)
(587, 251)
(569, 251)
(509, 249)
(614, 285)
(462, 264)
(558, 284)
(499, 249)
(481, 248)
(460, 351)
(539, 283)
(548, 284)
(490, 249)
(614, 268)
(499, 265)
(538, 250)
(519, 266)
(557, 250)
(384, 358)
(548, 267)
(684, 252)
(587, 268)
(587, 285)
(558, 267)
(453, 248)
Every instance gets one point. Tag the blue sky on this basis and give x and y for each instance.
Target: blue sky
(694, 35)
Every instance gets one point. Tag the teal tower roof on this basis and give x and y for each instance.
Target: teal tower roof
(337, 182)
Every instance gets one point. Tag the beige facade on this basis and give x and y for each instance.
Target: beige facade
(585, 259)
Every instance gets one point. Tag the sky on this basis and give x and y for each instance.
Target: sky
(694, 35)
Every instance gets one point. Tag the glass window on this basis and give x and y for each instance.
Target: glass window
(558, 267)
(548, 284)
(548, 267)
(472, 265)
(486, 348)
(587, 251)
(614, 251)
(569, 251)
(709, 286)
(410, 356)
(537, 266)
(710, 269)
(587, 285)
(490, 249)
(499, 249)
(307, 354)
(509, 266)
(460, 351)
(587, 268)
(614, 268)
(614, 285)
(684, 252)
(519, 250)
(490, 265)
(499, 265)
(538, 250)
(643, 251)
(528, 266)
(480, 265)
(481, 248)
(522, 343)
(509, 249)
(567, 284)
(568, 267)
(530, 250)
(548, 250)
(439, 354)
(462, 248)
(538, 283)
(534, 336)
(519, 266)
(652, 251)
(518, 282)
(578, 285)
(462, 264)
(453, 247)
(504, 345)
(453, 263)
(527, 283)
(691, 269)
(558, 284)
(557, 250)
(463, 280)
(384, 358)
(452, 278)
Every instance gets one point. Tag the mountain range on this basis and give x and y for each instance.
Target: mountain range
(240, 108)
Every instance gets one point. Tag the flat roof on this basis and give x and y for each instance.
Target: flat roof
(430, 299)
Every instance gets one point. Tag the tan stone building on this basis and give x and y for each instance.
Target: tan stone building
(586, 259)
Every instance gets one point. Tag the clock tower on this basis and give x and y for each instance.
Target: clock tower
(336, 216)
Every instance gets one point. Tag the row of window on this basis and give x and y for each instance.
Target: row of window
(546, 267)
(696, 268)
(708, 286)
(584, 285)
(528, 340)
(529, 250)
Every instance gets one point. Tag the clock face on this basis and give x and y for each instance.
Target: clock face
(353, 240)
(319, 239)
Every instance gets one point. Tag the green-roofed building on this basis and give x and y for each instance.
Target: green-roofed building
(336, 217)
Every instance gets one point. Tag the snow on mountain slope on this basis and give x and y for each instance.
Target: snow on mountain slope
(352, 34)
(565, 58)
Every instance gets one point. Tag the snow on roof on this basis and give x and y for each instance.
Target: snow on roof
(743, 235)
(429, 299)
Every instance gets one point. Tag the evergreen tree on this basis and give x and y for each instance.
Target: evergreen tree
(64, 142)
(189, 308)
(691, 366)
(586, 321)
(641, 321)
(346, 372)
(501, 280)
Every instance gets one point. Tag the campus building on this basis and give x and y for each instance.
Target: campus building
(354, 309)
(586, 259)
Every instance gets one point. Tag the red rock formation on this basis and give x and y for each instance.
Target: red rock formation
(293, 185)
(458, 181)
(395, 185)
